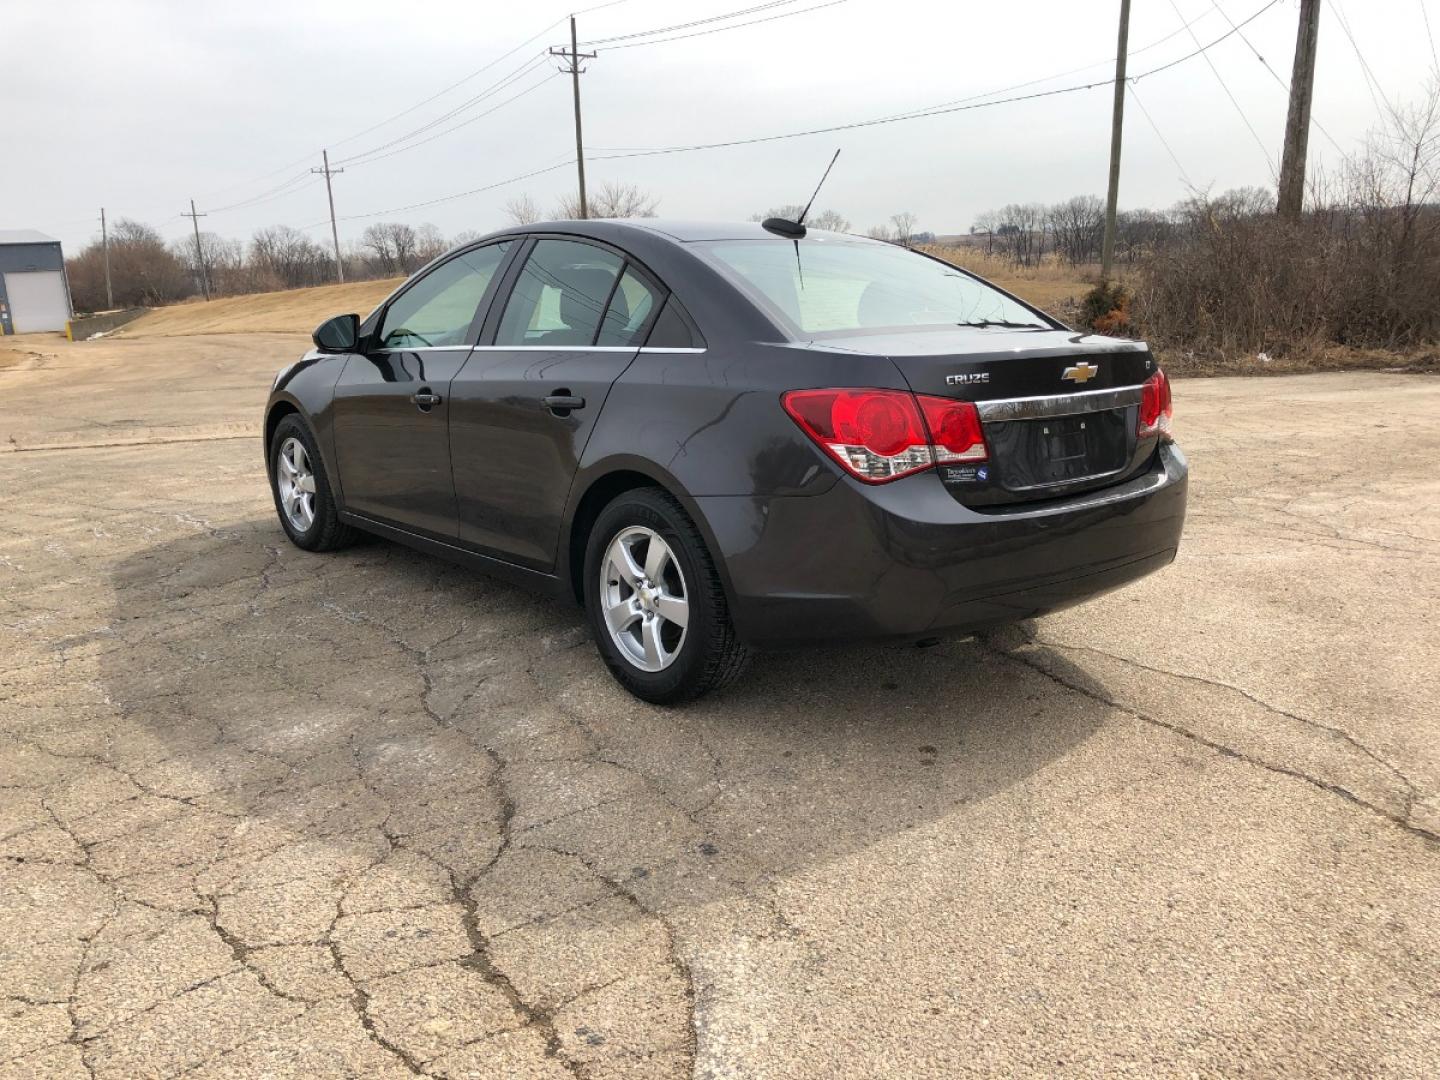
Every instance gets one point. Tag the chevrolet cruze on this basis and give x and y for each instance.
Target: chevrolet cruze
(725, 437)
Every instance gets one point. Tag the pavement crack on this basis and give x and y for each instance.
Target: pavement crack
(1229, 751)
(1412, 793)
(542, 1019)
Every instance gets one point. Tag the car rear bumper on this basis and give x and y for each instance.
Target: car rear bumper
(906, 560)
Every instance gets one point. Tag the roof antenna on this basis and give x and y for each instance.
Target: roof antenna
(818, 186)
(795, 230)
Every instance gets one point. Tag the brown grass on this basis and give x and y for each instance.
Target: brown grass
(1415, 361)
(292, 311)
(1051, 286)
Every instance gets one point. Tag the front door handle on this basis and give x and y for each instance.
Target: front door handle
(562, 402)
(425, 400)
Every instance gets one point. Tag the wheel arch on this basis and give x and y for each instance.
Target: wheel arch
(280, 408)
(600, 485)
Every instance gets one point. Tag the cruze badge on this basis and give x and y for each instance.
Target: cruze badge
(966, 379)
(1082, 372)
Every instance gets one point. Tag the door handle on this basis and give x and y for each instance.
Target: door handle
(562, 402)
(425, 400)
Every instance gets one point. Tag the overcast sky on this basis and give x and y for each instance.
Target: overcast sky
(140, 105)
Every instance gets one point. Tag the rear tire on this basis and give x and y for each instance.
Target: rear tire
(304, 501)
(647, 571)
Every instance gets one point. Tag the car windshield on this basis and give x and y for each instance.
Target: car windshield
(824, 287)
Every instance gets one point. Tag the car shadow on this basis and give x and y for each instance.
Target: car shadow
(376, 702)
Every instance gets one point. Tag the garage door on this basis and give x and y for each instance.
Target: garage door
(37, 301)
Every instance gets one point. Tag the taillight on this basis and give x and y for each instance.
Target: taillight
(882, 435)
(955, 431)
(1155, 407)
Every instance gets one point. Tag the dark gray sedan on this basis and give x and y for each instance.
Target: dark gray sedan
(718, 438)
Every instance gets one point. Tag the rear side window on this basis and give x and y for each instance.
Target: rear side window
(631, 305)
(673, 330)
(560, 295)
(439, 308)
(819, 286)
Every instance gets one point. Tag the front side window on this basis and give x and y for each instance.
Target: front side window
(560, 296)
(439, 308)
(830, 287)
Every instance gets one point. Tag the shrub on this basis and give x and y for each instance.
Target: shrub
(1106, 308)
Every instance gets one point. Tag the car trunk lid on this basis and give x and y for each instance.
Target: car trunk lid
(1058, 408)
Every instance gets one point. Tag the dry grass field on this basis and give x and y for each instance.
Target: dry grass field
(292, 311)
(1049, 286)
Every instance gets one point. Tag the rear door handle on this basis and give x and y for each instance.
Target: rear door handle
(562, 403)
(425, 399)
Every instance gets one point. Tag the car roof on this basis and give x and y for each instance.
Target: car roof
(679, 230)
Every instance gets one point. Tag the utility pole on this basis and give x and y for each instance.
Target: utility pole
(334, 232)
(574, 56)
(199, 251)
(1297, 122)
(105, 247)
(1117, 123)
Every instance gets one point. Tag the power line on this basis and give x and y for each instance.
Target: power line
(1235, 29)
(1285, 86)
(355, 162)
(447, 198)
(474, 74)
(530, 64)
(1425, 14)
(453, 86)
(715, 29)
(591, 42)
(1269, 159)
(929, 111)
(1371, 83)
(1075, 71)
(1135, 94)
(294, 183)
(404, 112)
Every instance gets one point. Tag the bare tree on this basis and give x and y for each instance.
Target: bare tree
(521, 210)
(429, 243)
(144, 271)
(289, 257)
(392, 245)
(987, 223)
(904, 223)
(1021, 236)
(830, 220)
(1078, 228)
(465, 236)
(224, 262)
(881, 232)
(612, 201)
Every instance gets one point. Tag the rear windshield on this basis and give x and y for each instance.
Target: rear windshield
(823, 286)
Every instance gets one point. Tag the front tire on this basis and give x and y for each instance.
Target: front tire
(655, 602)
(303, 498)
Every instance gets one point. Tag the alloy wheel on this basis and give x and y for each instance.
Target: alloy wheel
(644, 598)
(295, 480)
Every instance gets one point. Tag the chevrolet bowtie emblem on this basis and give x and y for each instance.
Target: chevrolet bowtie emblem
(1082, 372)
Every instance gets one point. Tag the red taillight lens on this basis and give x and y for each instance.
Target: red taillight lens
(882, 435)
(1155, 407)
(955, 431)
(876, 434)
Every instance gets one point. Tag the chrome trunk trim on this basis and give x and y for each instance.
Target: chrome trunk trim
(1031, 408)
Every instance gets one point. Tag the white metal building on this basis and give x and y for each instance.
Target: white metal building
(34, 295)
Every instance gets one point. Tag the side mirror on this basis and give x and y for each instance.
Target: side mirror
(340, 334)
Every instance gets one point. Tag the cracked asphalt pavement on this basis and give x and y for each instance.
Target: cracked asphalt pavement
(269, 813)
